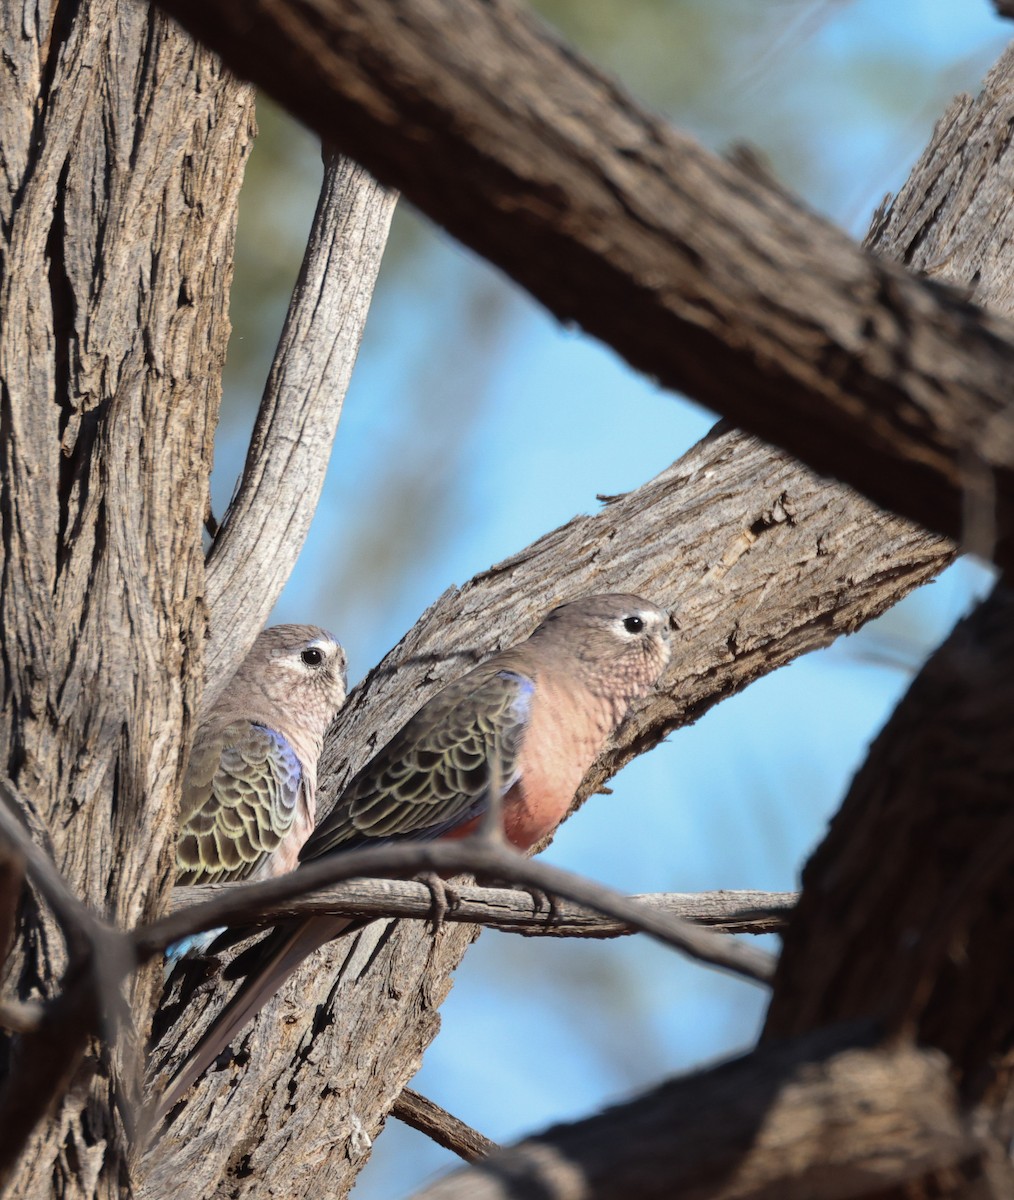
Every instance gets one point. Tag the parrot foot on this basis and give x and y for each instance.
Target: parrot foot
(444, 896)
(545, 902)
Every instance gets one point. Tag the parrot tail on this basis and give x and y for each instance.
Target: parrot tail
(282, 952)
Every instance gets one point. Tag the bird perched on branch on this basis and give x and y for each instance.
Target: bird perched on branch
(533, 718)
(249, 796)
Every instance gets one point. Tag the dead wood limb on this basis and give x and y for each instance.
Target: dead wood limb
(509, 910)
(263, 531)
(477, 856)
(698, 273)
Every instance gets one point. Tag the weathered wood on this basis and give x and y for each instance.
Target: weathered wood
(506, 909)
(446, 1130)
(919, 933)
(266, 524)
(801, 1120)
(488, 858)
(696, 271)
(123, 147)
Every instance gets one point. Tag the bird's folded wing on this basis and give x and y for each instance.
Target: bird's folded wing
(435, 773)
(239, 803)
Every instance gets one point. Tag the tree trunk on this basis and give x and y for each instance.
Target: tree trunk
(124, 146)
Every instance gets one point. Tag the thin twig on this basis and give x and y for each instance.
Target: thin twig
(446, 1130)
(510, 910)
(474, 856)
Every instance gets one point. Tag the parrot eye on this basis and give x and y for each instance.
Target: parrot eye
(312, 657)
(633, 624)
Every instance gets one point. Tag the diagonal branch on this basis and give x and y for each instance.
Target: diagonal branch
(266, 523)
(695, 270)
(925, 924)
(446, 1130)
(825, 1116)
(922, 919)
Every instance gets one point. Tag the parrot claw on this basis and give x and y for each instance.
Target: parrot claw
(444, 897)
(544, 902)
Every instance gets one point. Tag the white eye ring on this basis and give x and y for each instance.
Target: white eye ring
(633, 624)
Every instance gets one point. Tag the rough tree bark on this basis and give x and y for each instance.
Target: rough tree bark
(904, 915)
(760, 559)
(123, 147)
(695, 270)
(935, 790)
(262, 533)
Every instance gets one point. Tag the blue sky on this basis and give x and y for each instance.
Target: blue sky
(506, 425)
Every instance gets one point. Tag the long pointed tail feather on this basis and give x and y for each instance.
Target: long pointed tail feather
(283, 954)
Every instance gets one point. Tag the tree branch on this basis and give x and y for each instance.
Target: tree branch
(446, 1130)
(264, 529)
(506, 909)
(478, 856)
(760, 560)
(820, 1117)
(924, 924)
(694, 270)
(932, 797)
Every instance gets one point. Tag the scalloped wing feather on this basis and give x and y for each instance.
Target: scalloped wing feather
(237, 815)
(434, 774)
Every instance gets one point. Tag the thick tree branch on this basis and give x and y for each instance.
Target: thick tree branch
(267, 521)
(759, 559)
(933, 796)
(696, 271)
(820, 1118)
(924, 925)
(507, 909)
